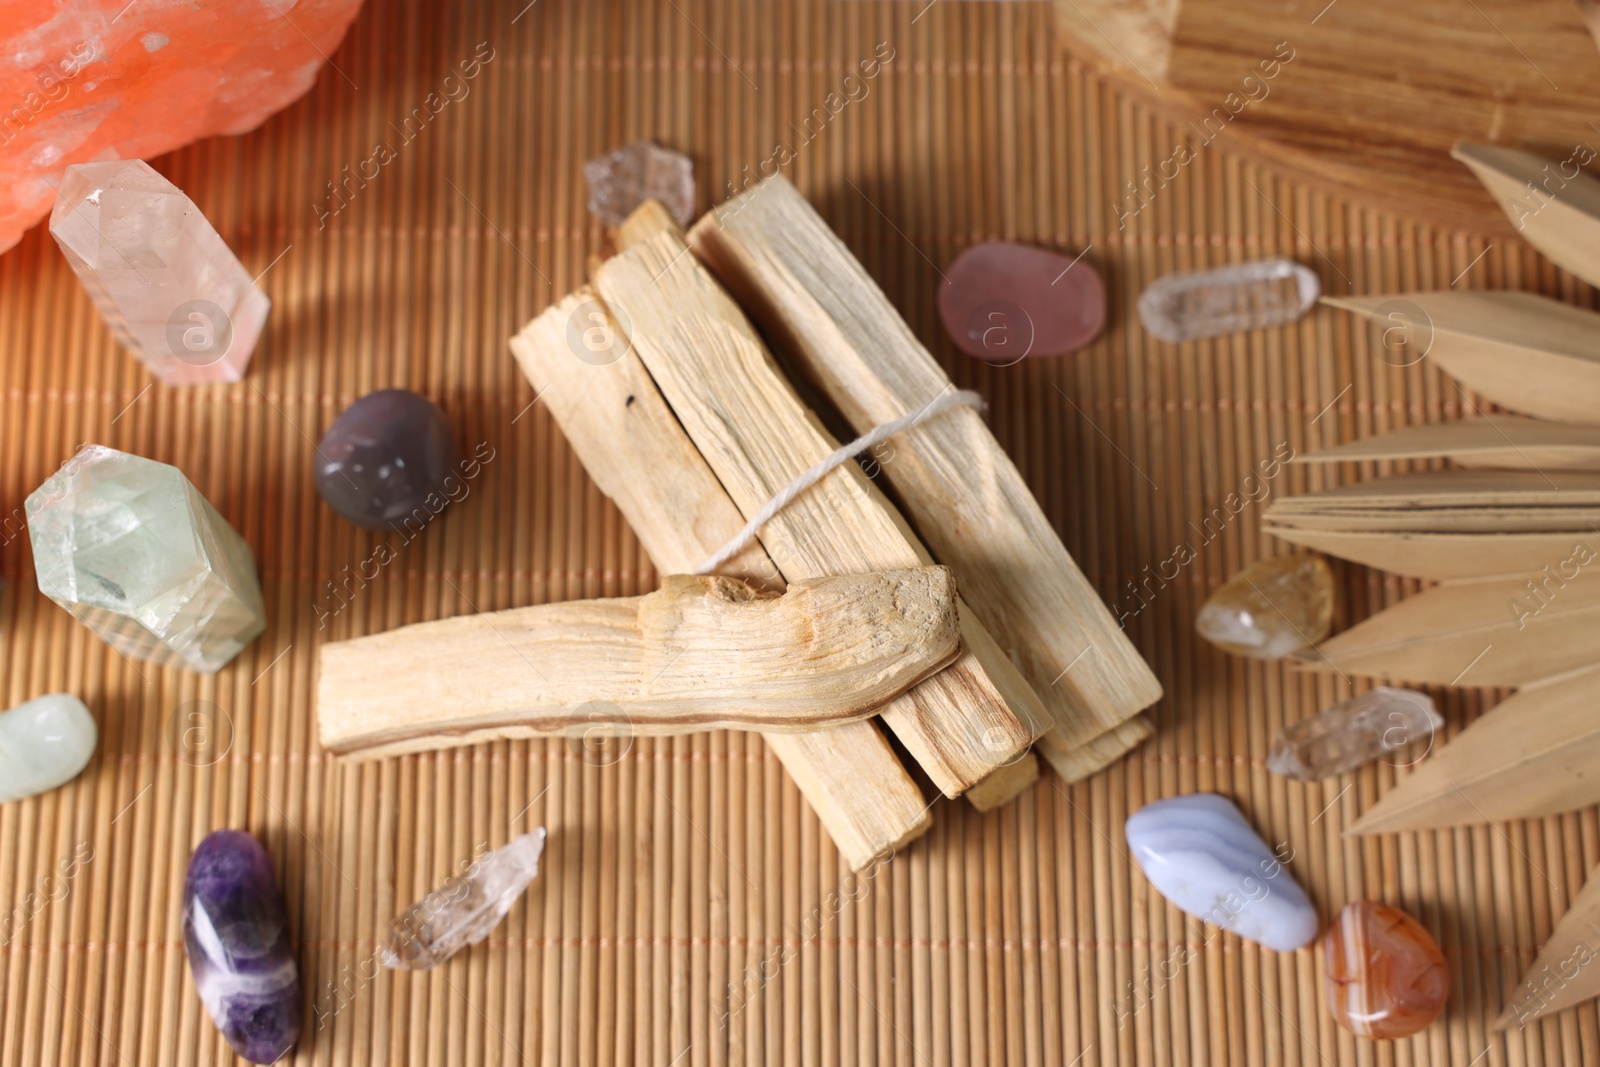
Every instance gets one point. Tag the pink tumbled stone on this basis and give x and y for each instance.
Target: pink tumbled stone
(1002, 301)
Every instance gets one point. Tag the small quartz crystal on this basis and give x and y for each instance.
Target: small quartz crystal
(1271, 608)
(626, 177)
(166, 284)
(463, 910)
(1001, 301)
(44, 744)
(1353, 732)
(236, 935)
(134, 551)
(389, 462)
(1386, 977)
(1248, 296)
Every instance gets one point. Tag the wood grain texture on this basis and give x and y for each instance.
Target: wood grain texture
(1533, 755)
(1316, 91)
(756, 434)
(957, 485)
(699, 653)
(634, 449)
(1528, 352)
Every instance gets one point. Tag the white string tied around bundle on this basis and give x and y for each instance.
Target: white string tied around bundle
(806, 479)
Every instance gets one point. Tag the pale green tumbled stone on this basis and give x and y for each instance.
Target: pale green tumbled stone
(134, 551)
(44, 743)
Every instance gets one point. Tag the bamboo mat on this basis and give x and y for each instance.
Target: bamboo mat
(690, 911)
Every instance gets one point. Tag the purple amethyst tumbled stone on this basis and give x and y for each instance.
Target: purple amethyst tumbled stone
(236, 934)
(387, 461)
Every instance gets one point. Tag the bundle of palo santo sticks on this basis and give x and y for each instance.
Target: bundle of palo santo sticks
(1512, 533)
(956, 620)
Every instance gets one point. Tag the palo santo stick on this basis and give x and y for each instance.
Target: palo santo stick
(1487, 632)
(1004, 785)
(1562, 221)
(1445, 556)
(633, 447)
(1077, 762)
(1528, 352)
(1533, 755)
(1565, 973)
(745, 418)
(1503, 441)
(700, 652)
(958, 486)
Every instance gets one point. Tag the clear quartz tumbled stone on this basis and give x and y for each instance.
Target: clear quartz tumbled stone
(1247, 296)
(626, 177)
(44, 743)
(1353, 732)
(133, 550)
(165, 282)
(1271, 608)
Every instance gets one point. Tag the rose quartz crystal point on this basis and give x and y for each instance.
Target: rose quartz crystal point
(165, 282)
(1386, 977)
(626, 177)
(96, 80)
(1001, 301)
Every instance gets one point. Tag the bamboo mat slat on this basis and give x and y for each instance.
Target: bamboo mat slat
(691, 910)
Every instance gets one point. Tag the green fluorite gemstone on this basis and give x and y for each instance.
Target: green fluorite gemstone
(134, 551)
(44, 743)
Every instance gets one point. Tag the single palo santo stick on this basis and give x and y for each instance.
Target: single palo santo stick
(698, 653)
(958, 486)
(1564, 974)
(1533, 755)
(1004, 784)
(1486, 632)
(1530, 353)
(1446, 556)
(1556, 213)
(1511, 442)
(745, 418)
(1077, 762)
(633, 447)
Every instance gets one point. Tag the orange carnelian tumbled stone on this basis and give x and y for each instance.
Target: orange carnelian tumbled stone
(1385, 974)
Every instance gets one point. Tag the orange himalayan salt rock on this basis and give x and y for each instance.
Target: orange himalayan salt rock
(1386, 977)
(91, 80)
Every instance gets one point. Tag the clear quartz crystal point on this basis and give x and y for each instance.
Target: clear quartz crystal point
(134, 551)
(1248, 296)
(165, 282)
(463, 910)
(1353, 732)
